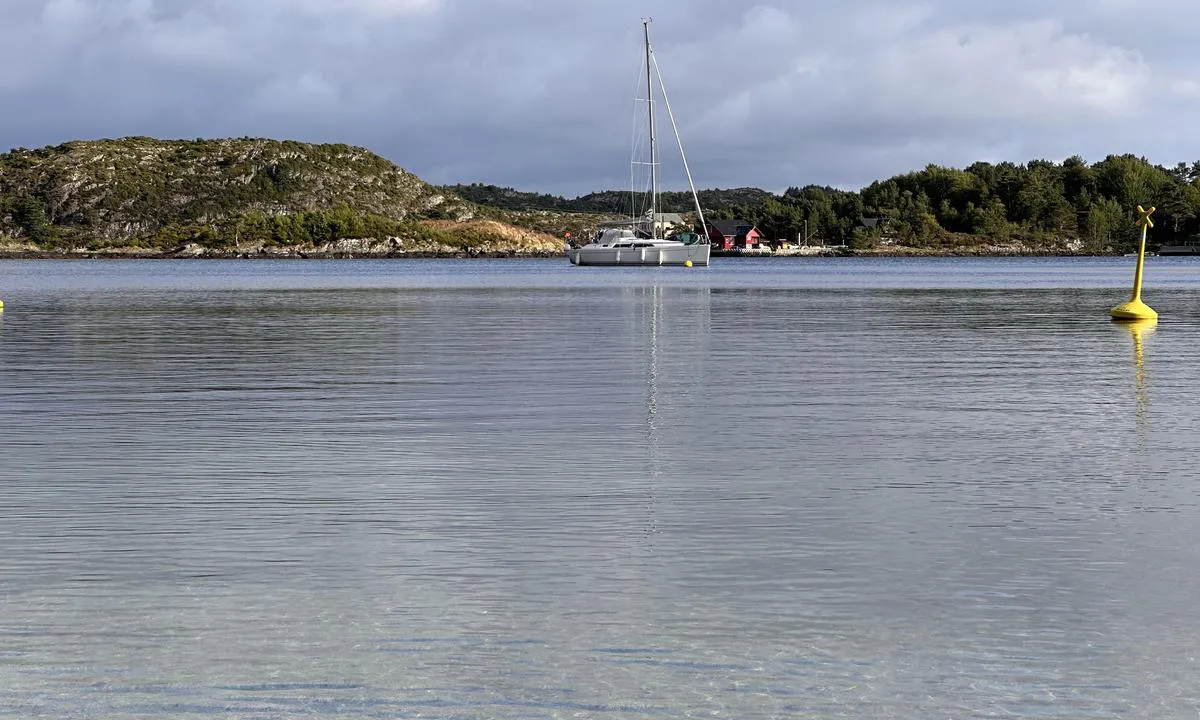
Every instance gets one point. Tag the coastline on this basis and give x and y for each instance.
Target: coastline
(269, 255)
(499, 255)
(905, 251)
(281, 252)
(378, 251)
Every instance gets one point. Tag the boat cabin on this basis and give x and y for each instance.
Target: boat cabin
(610, 236)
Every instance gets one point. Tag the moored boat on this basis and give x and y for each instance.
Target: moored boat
(638, 241)
(624, 246)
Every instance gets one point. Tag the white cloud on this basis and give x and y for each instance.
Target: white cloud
(306, 92)
(371, 9)
(68, 13)
(894, 83)
(1030, 70)
(539, 93)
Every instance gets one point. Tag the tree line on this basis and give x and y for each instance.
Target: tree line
(1039, 202)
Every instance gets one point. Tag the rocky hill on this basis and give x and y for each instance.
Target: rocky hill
(236, 196)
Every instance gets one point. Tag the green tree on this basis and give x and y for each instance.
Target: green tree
(30, 216)
(1130, 181)
(989, 220)
(1107, 223)
(1179, 207)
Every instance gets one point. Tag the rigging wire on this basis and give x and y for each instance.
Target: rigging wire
(679, 142)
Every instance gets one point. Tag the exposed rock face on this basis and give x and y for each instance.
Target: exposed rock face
(117, 192)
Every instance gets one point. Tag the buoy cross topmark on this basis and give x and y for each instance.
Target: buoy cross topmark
(1135, 309)
(1144, 220)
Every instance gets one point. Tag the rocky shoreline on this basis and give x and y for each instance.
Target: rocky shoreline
(142, 254)
(342, 250)
(283, 254)
(901, 252)
(347, 250)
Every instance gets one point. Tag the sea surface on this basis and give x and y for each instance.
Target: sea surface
(769, 488)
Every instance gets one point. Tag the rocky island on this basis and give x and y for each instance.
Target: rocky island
(142, 197)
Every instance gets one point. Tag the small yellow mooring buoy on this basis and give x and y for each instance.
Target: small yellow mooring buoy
(687, 263)
(1, 306)
(1135, 309)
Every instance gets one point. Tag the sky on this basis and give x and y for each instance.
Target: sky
(541, 95)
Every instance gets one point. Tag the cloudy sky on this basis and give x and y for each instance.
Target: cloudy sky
(539, 94)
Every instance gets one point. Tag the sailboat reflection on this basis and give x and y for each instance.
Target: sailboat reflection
(677, 324)
(652, 430)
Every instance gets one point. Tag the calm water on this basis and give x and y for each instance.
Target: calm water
(810, 488)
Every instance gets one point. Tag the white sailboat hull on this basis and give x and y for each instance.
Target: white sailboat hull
(663, 254)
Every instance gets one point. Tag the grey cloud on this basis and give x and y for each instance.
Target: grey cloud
(539, 94)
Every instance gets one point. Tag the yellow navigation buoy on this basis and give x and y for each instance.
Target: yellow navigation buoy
(687, 263)
(1, 306)
(1135, 309)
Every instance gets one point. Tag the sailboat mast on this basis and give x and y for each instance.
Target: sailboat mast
(653, 149)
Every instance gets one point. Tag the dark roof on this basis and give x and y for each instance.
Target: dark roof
(731, 227)
(872, 222)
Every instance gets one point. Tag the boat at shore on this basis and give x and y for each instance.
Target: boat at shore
(637, 241)
(1186, 248)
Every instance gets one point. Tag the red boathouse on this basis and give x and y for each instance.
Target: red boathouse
(729, 234)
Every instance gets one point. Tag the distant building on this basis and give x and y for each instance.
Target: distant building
(667, 221)
(729, 234)
(1189, 246)
(873, 223)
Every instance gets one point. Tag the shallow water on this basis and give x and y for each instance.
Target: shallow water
(518, 489)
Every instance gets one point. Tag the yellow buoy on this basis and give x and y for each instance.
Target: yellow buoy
(1, 306)
(687, 263)
(1135, 309)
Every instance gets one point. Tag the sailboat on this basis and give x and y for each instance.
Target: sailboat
(638, 241)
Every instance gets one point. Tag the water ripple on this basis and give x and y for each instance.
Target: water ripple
(269, 490)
